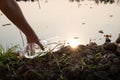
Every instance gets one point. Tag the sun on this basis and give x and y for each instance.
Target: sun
(73, 43)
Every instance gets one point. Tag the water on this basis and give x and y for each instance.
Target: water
(64, 19)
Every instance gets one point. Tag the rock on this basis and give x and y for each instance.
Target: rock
(93, 44)
(109, 56)
(110, 46)
(107, 40)
(116, 60)
(97, 59)
(118, 39)
(103, 61)
(118, 49)
(89, 56)
(89, 62)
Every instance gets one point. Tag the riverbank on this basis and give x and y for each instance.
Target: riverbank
(86, 62)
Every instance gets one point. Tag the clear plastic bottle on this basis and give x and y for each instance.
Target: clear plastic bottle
(32, 50)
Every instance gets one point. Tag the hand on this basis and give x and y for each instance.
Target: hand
(34, 39)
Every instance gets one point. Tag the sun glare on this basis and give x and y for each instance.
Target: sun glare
(74, 43)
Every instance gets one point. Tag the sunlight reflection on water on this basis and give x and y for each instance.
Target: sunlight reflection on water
(66, 20)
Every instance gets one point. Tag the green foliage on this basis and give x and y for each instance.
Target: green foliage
(8, 62)
(1, 50)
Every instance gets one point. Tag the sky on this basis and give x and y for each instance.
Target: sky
(66, 20)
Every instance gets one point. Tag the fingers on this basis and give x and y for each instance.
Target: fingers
(41, 46)
(35, 40)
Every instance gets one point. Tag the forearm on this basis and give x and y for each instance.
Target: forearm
(13, 12)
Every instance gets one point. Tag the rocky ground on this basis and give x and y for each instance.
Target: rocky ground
(86, 62)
